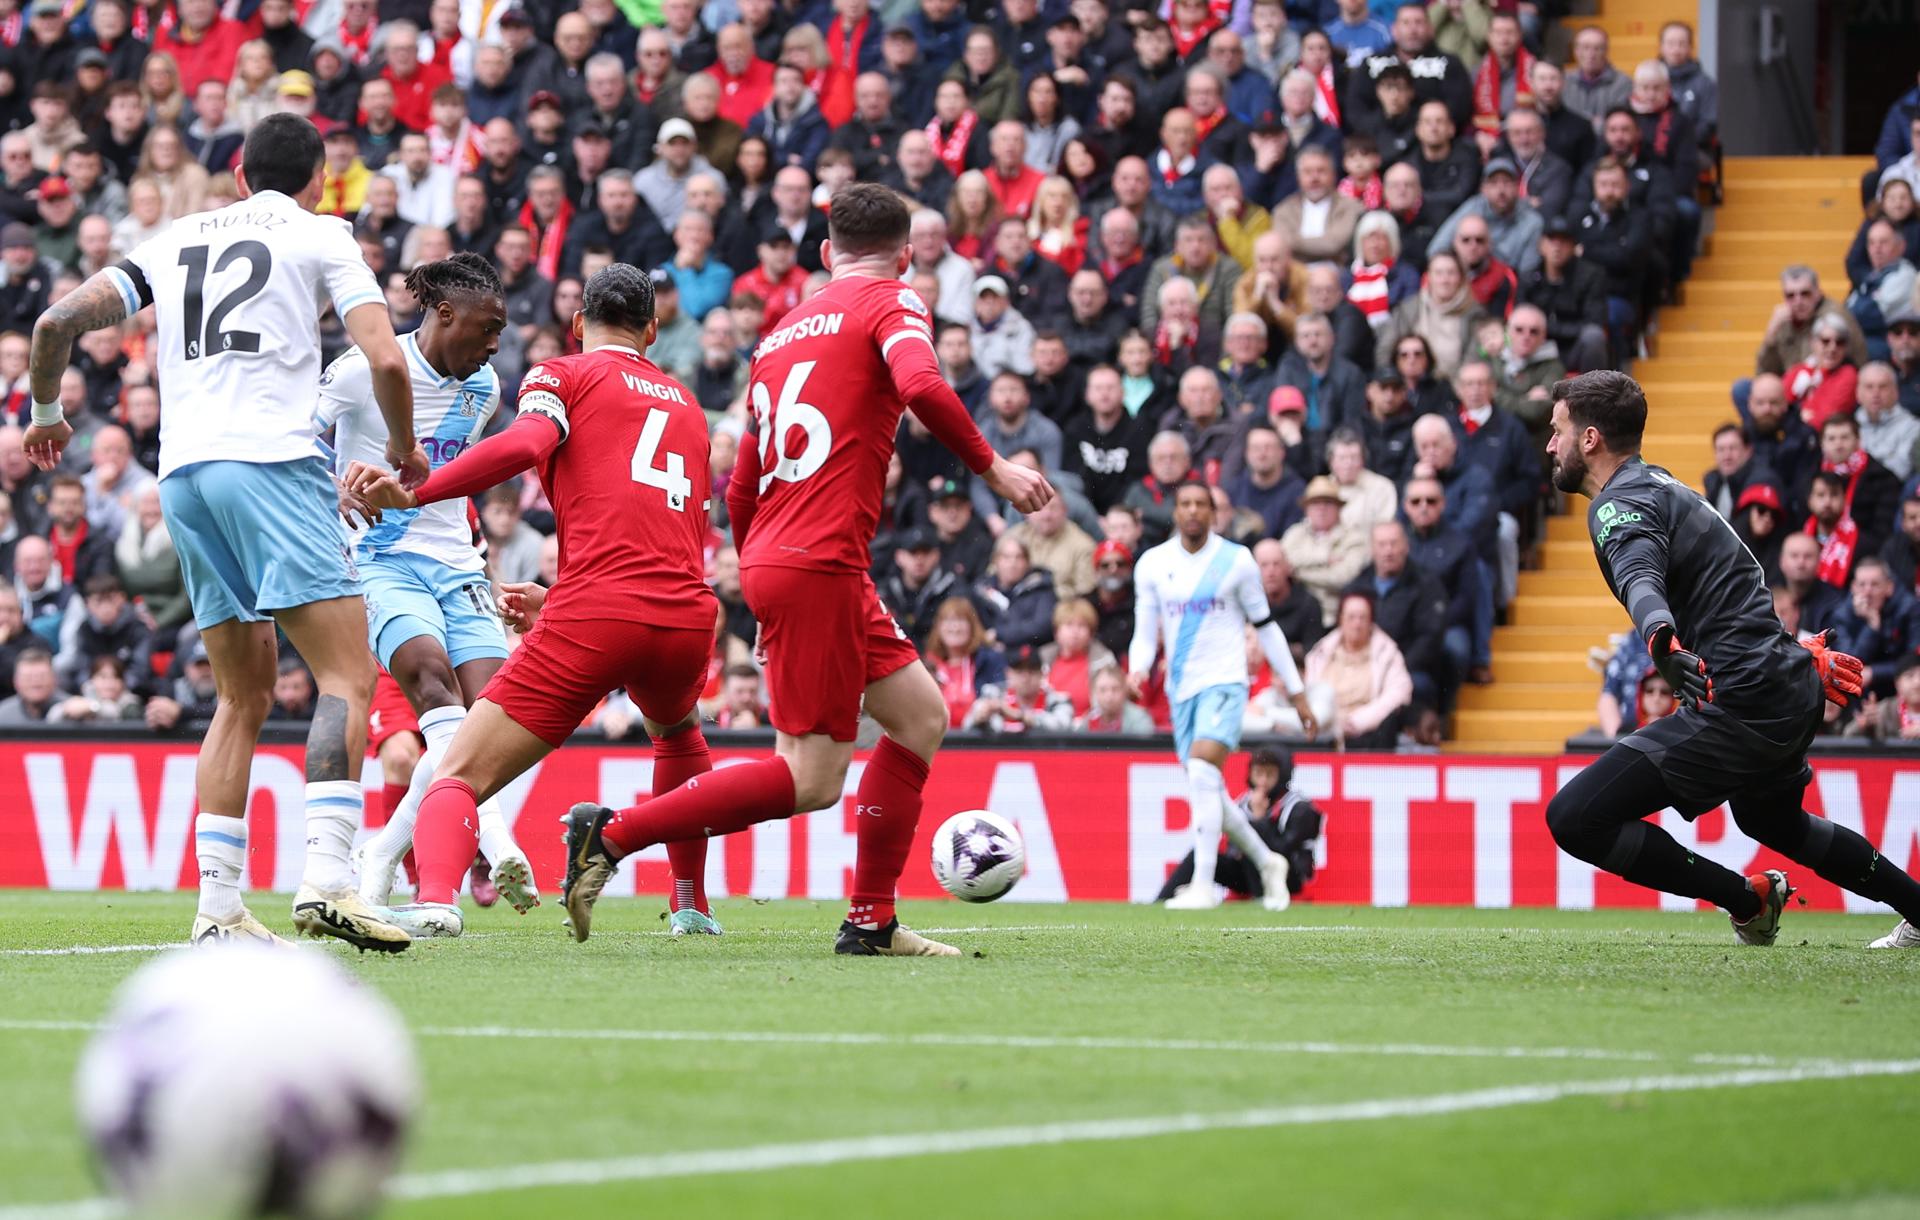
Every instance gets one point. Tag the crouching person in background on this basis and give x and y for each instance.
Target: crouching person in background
(1287, 822)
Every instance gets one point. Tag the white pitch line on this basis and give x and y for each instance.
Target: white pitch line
(813, 1154)
(84, 950)
(1408, 1050)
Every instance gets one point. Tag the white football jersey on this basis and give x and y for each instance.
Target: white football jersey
(448, 415)
(1197, 605)
(237, 295)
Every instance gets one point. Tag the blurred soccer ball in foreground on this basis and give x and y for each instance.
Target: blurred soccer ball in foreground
(247, 1081)
(978, 855)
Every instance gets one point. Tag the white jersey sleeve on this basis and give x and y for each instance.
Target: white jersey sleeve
(1252, 597)
(350, 283)
(345, 388)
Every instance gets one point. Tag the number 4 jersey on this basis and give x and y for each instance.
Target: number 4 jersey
(827, 390)
(237, 295)
(630, 487)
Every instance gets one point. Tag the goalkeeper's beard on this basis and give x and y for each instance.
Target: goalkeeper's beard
(1569, 473)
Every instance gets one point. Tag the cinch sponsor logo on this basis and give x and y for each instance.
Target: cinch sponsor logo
(1196, 605)
(806, 328)
(653, 389)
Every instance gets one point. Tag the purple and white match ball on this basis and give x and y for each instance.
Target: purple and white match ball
(241, 1080)
(978, 856)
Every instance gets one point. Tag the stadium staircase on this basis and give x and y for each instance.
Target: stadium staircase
(1778, 210)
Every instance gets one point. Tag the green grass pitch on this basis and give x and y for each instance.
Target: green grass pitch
(1089, 1060)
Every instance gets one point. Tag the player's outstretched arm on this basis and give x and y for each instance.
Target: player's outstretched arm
(98, 302)
(371, 329)
(526, 441)
(916, 374)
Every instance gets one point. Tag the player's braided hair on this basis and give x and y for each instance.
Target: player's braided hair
(619, 294)
(462, 275)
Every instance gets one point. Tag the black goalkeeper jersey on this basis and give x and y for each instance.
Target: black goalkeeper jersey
(1669, 557)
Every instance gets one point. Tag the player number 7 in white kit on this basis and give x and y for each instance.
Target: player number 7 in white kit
(774, 420)
(672, 478)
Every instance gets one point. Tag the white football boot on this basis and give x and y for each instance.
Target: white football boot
(1903, 936)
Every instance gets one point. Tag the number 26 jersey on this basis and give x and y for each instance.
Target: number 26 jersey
(237, 295)
(823, 410)
(630, 484)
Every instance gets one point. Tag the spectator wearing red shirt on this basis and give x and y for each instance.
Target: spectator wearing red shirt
(1013, 182)
(202, 42)
(413, 82)
(746, 81)
(779, 280)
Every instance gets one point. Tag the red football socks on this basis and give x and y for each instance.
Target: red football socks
(445, 838)
(717, 803)
(677, 758)
(390, 796)
(886, 811)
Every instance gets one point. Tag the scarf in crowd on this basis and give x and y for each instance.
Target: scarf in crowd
(10, 28)
(1486, 89)
(1163, 346)
(461, 152)
(1369, 292)
(1172, 171)
(1204, 127)
(359, 46)
(1184, 41)
(1836, 553)
(546, 258)
(1661, 144)
(1851, 470)
(1372, 193)
(844, 48)
(952, 150)
(1326, 98)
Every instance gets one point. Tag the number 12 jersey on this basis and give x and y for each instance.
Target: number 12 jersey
(630, 487)
(237, 295)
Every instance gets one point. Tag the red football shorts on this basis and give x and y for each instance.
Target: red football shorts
(390, 713)
(827, 638)
(561, 671)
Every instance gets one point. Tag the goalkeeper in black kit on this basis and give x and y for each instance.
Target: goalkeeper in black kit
(1752, 698)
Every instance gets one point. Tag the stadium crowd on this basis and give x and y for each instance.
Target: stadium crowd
(1325, 255)
(1820, 472)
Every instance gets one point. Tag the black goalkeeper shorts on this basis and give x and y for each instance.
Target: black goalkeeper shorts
(1713, 754)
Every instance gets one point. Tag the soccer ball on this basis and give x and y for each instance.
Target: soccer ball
(246, 1081)
(977, 856)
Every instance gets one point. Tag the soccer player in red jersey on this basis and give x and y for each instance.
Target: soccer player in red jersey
(621, 451)
(827, 389)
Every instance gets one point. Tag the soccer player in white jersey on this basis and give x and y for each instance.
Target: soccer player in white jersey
(1195, 595)
(430, 614)
(237, 295)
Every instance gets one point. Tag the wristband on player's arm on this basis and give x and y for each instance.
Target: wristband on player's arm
(47, 414)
